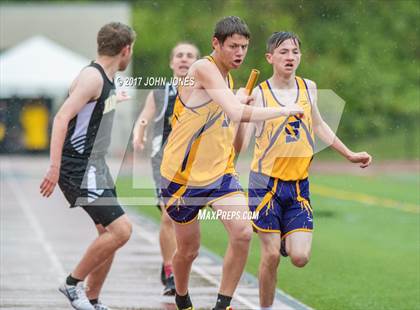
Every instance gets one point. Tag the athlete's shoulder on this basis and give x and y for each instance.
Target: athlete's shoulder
(309, 83)
(262, 84)
(312, 89)
(260, 88)
(88, 81)
(92, 75)
(202, 65)
(91, 71)
(204, 72)
(259, 91)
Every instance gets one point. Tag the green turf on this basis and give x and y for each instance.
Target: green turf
(363, 257)
(393, 145)
(402, 187)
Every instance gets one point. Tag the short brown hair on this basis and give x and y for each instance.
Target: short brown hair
(228, 26)
(278, 38)
(113, 37)
(182, 43)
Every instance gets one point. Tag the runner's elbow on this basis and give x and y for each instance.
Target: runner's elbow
(61, 120)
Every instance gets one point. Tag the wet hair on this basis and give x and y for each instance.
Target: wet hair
(228, 26)
(186, 43)
(278, 38)
(113, 37)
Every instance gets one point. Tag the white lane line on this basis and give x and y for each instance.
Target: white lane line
(152, 239)
(24, 204)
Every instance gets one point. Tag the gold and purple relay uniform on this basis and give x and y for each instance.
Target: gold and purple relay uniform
(278, 181)
(198, 162)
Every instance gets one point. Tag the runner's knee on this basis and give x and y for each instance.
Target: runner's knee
(271, 257)
(188, 253)
(242, 234)
(299, 259)
(122, 232)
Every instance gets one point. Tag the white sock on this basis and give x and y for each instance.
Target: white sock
(266, 308)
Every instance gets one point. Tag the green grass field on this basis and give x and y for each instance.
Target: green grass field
(365, 255)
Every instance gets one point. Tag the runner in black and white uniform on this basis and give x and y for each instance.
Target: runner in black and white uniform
(80, 138)
(84, 174)
(164, 101)
(157, 112)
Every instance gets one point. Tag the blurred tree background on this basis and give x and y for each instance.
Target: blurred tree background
(365, 51)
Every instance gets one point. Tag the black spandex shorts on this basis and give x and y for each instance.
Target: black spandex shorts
(104, 214)
(88, 184)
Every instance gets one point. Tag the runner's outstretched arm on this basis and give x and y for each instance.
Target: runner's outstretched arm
(324, 132)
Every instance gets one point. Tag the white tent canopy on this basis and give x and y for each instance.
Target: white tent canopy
(38, 67)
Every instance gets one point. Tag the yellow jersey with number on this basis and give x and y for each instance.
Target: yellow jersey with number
(284, 146)
(199, 149)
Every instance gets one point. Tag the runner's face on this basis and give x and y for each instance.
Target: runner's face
(232, 51)
(183, 57)
(286, 57)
